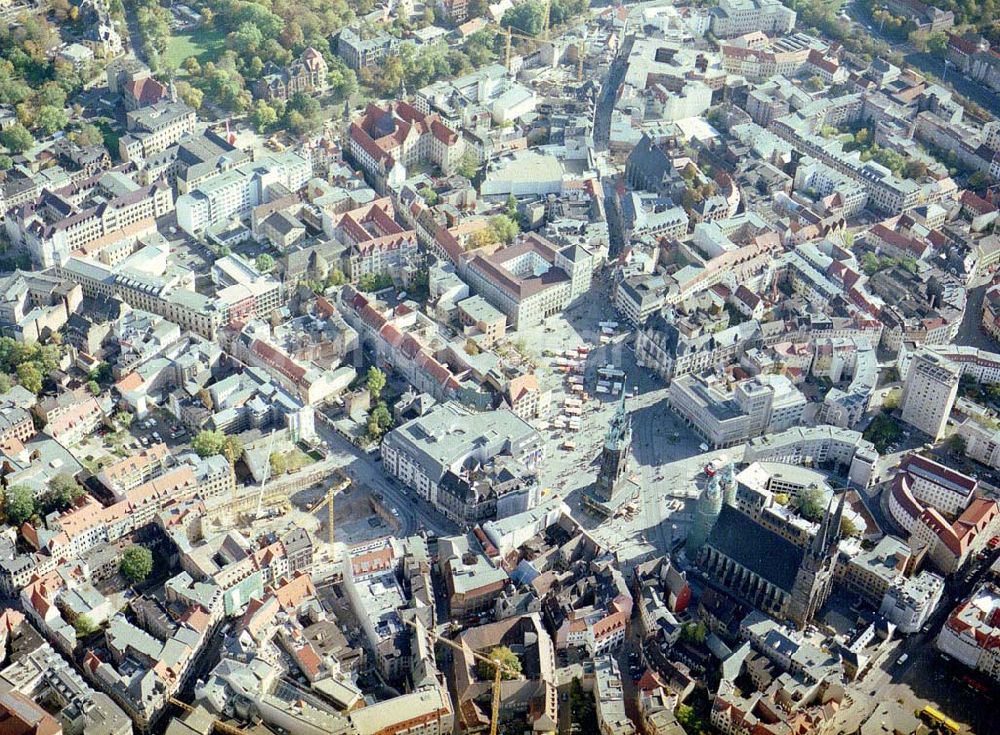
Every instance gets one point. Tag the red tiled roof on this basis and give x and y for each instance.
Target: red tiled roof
(278, 360)
(146, 91)
(976, 203)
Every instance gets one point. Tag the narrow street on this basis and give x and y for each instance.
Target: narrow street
(134, 39)
(970, 333)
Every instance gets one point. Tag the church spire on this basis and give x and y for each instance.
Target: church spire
(620, 429)
(838, 518)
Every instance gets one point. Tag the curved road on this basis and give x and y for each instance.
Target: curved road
(365, 471)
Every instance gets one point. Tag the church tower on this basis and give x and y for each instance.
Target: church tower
(614, 455)
(814, 580)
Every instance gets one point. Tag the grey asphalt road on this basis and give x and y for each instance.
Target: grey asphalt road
(366, 472)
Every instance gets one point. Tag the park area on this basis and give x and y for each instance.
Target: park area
(203, 44)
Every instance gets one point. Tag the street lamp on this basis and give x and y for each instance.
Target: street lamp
(944, 77)
(884, 9)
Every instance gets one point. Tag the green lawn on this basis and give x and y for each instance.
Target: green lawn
(204, 45)
(297, 459)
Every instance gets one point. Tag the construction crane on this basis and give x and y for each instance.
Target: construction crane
(327, 500)
(217, 725)
(498, 668)
(265, 477)
(544, 35)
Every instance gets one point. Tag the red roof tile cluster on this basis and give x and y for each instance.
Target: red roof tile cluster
(146, 91)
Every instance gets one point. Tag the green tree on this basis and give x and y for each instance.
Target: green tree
(511, 208)
(30, 377)
(379, 421)
(94, 387)
(65, 490)
(892, 400)
(504, 228)
(376, 383)
(265, 263)
(527, 17)
(279, 464)
(84, 626)
(510, 664)
(19, 504)
(190, 95)
(914, 169)
(102, 373)
(957, 445)
(232, 449)
(978, 182)
(694, 633)
(583, 710)
(16, 138)
(335, 277)
(343, 81)
(191, 66)
(208, 443)
(870, 264)
(371, 282)
(812, 503)
(50, 119)
(263, 116)
(815, 83)
(89, 135)
(430, 196)
(690, 721)
(937, 44)
(848, 528)
(124, 418)
(136, 563)
(468, 165)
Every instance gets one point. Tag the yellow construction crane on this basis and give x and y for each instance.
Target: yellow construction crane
(217, 725)
(498, 668)
(339, 485)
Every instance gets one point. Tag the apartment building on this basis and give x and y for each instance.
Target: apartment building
(16, 427)
(420, 452)
(232, 194)
(827, 182)
(188, 309)
(104, 211)
(155, 128)
(971, 634)
(306, 75)
(362, 53)
(70, 416)
(34, 305)
(725, 415)
(929, 393)
(531, 279)
(663, 348)
(376, 243)
(910, 601)
(472, 582)
(385, 142)
(739, 17)
(129, 473)
(982, 440)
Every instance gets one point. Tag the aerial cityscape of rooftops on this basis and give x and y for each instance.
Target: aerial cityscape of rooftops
(528, 367)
